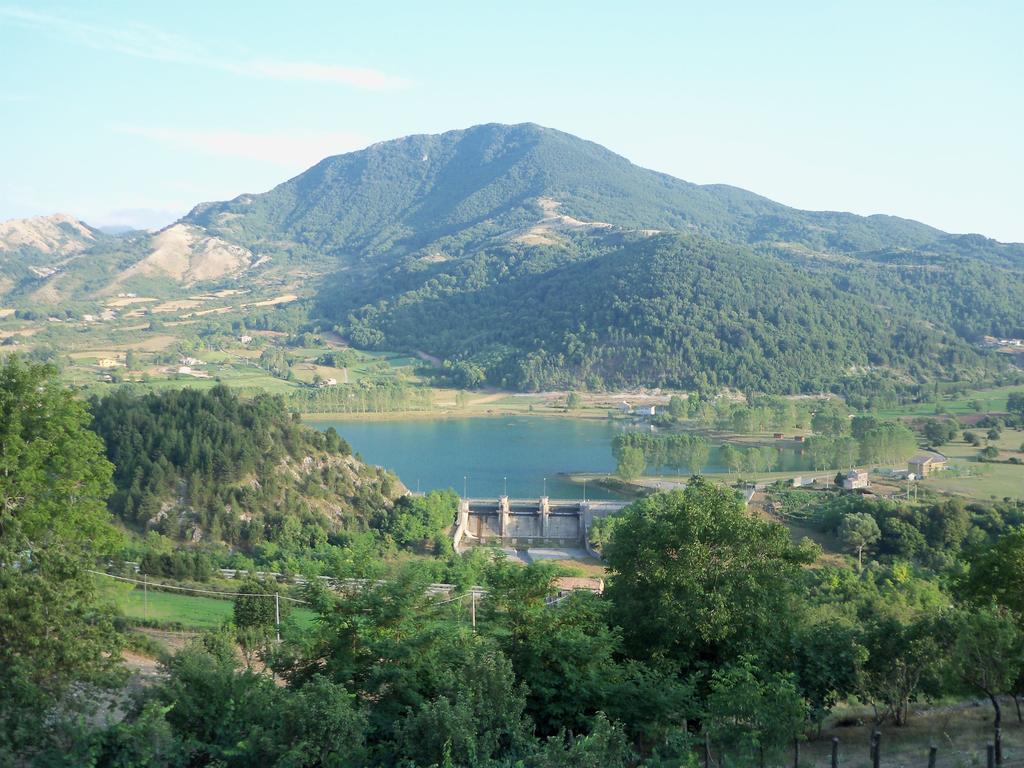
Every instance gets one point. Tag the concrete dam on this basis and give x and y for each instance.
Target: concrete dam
(539, 522)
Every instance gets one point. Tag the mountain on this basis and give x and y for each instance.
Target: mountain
(531, 258)
(417, 192)
(537, 259)
(50, 236)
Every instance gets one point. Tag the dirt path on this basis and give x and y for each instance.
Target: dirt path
(434, 361)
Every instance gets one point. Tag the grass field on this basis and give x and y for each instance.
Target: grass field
(188, 611)
(981, 480)
(990, 400)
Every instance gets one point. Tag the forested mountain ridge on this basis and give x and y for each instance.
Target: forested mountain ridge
(543, 260)
(399, 196)
(210, 465)
(529, 258)
(673, 311)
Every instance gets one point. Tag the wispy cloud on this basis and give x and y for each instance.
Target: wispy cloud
(294, 151)
(147, 42)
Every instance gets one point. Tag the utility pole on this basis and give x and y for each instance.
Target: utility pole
(472, 608)
(145, 597)
(584, 490)
(277, 615)
(504, 487)
(465, 486)
(545, 486)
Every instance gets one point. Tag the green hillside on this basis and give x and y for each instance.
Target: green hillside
(536, 259)
(211, 466)
(682, 312)
(460, 187)
(532, 255)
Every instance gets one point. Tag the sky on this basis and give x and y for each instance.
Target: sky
(128, 113)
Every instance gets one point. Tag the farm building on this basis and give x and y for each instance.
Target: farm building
(854, 479)
(925, 463)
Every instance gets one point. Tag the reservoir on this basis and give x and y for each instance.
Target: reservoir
(439, 453)
(489, 455)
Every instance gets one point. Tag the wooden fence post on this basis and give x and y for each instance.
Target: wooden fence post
(835, 752)
(933, 756)
(796, 753)
(990, 756)
(876, 755)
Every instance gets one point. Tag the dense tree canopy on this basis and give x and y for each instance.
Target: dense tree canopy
(244, 471)
(55, 633)
(695, 579)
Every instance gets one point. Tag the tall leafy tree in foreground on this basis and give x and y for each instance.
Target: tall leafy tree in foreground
(749, 713)
(56, 637)
(987, 657)
(697, 580)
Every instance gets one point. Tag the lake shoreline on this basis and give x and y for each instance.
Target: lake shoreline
(469, 413)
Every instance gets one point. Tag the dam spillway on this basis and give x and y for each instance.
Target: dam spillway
(528, 522)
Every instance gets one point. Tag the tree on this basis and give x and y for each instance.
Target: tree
(256, 610)
(573, 401)
(987, 656)
(677, 407)
(939, 431)
(862, 424)
(821, 450)
(56, 633)
(905, 655)
(829, 421)
(414, 521)
(827, 659)
(750, 712)
(699, 452)
(1015, 403)
(694, 577)
(466, 375)
(858, 530)
(731, 457)
(742, 421)
(847, 450)
(997, 573)
(888, 442)
(631, 463)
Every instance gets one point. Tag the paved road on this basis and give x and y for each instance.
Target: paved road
(546, 553)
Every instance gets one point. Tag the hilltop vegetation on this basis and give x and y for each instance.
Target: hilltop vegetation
(211, 466)
(676, 311)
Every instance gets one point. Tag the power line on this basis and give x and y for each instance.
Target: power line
(193, 589)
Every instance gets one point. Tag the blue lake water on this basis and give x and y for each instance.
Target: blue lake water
(486, 455)
(439, 453)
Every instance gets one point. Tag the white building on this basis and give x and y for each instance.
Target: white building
(854, 479)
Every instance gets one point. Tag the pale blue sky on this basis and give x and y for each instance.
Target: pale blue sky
(115, 110)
